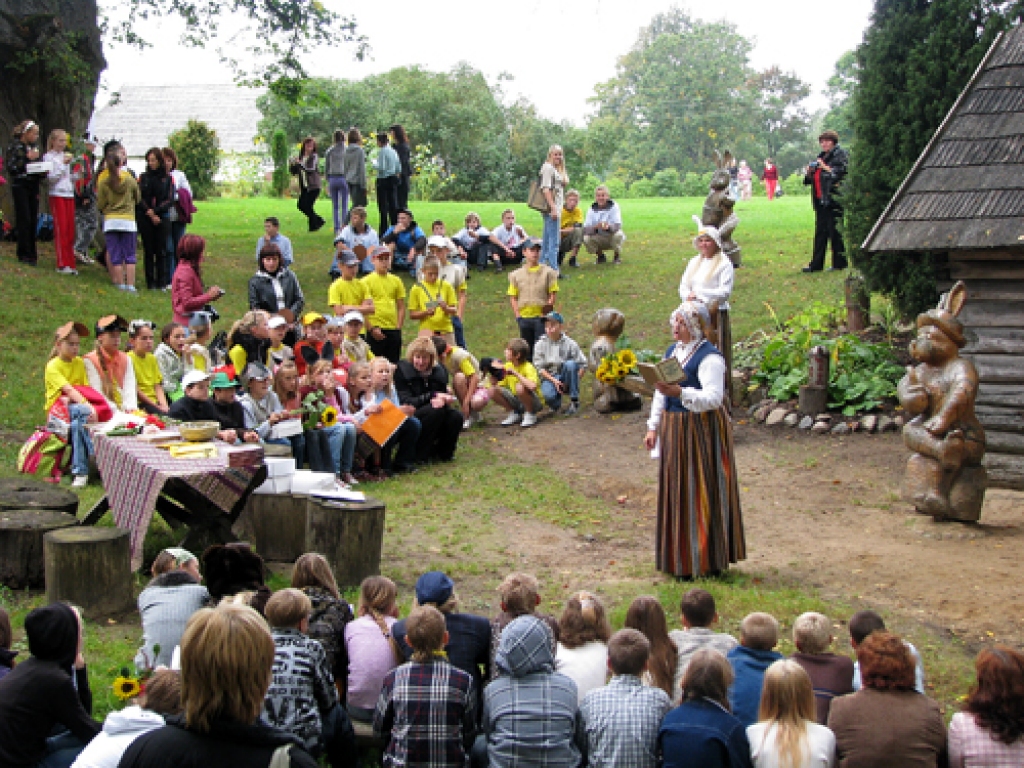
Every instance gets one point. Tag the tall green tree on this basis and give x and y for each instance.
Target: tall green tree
(840, 88)
(784, 119)
(915, 59)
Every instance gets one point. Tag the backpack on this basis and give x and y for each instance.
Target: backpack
(44, 228)
(44, 455)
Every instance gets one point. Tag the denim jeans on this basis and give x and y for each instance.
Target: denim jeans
(342, 441)
(81, 440)
(460, 335)
(552, 237)
(61, 751)
(338, 187)
(570, 376)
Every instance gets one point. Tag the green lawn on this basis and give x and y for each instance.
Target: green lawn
(432, 521)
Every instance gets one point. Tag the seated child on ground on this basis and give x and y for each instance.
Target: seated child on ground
(148, 377)
(330, 613)
(520, 596)
(583, 632)
(302, 699)
(196, 405)
(519, 392)
(229, 411)
(433, 303)
(697, 614)
(261, 405)
(464, 371)
(166, 605)
(560, 362)
(279, 349)
(862, 624)
(353, 346)
(371, 649)
(407, 435)
(759, 634)
(338, 430)
(831, 674)
(427, 707)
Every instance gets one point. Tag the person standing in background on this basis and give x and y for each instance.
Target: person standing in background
(87, 219)
(400, 142)
(62, 200)
(24, 187)
(337, 185)
(181, 211)
(307, 168)
(355, 169)
(770, 177)
(824, 175)
(153, 218)
(389, 168)
(553, 181)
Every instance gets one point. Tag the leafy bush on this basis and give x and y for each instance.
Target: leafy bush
(643, 188)
(861, 374)
(616, 188)
(794, 185)
(279, 153)
(694, 185)
(667, 183)
(587, 186)
(198, 150)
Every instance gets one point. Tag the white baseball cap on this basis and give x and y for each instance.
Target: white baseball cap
(353, 314)
(194, 377)
(437, 241)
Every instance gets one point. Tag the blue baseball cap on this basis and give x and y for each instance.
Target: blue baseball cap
(555, 317)
(434, 587)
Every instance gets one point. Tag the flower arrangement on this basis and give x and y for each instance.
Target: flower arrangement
(614, 367)
(127, 686)
(315, 412)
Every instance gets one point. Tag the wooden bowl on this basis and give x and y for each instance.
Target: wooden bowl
(198, 431)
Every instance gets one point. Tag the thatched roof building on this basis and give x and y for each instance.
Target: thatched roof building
(964, 200)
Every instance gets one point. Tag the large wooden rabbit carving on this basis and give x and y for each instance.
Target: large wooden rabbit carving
(944, 477)
(718, 207)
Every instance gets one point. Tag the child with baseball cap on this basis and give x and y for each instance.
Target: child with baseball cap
(559, 361)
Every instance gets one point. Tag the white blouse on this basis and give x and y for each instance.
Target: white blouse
(708, 282)
(710, 373)
(819, 748)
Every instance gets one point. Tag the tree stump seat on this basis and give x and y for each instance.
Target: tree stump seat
(90, 567)
(26, 493)
(21, 544)
(350, 534)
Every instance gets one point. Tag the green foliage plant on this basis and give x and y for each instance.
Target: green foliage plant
(198, 150)
(279, 154)
(642, 188)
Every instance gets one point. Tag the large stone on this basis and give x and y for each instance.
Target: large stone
(776, 417)
(791, 420)
(841, 429)
(899, 421)
(869, 422)
(762, 413)
(886, 424)
(820, 427)
(806, 422)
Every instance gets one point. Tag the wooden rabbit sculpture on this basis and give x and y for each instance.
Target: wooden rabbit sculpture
(944, 477)
(718, 207)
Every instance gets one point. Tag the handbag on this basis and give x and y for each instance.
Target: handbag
(536, 198)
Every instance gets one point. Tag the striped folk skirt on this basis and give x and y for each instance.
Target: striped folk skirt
(700, 525)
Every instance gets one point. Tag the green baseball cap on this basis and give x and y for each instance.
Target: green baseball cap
(221, 381)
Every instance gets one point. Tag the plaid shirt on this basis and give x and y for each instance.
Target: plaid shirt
(619, 723)
(426, 713)
(970, 745)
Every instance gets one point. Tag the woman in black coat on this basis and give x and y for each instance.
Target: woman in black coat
(274, 287)
(153, 218)
(401, 144)
(422, 383)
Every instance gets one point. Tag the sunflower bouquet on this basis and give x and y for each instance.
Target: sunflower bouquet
(616, 366)
(127, 686)
(316, 412)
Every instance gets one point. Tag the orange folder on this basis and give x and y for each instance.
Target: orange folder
(381, 426)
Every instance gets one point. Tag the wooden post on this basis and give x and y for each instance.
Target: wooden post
(21, 544)
(813, 400)
(91, 568)
(858, 302)
(349, 534)
(26, 493)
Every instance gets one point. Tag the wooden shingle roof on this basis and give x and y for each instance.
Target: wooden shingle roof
(145, 115)
(966, 190)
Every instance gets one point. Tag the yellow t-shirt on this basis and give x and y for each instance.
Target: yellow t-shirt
(238, 359)
(59, 373)
(459, 360)
(531, 285)
(572, 218)
(440, 321)
(351, 292)
(386, 292)
(528, 372)
(147, 374)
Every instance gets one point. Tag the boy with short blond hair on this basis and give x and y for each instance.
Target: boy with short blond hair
(759, 634)
(302, 699)
(831, 674)
(520, 596)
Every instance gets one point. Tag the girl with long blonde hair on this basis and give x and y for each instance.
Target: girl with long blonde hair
(554, 180)
(372, 651)
(787, 735)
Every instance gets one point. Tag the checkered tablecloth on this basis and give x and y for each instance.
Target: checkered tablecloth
(134, 473)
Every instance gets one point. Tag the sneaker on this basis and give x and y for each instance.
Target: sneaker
(80, 481)
(67, 271)
(122, 287)
(348, 477)
(573, 263)
(601, 259)
(512, 419)
(529, 419)
(84, 258)
(131, 289)
(467, 423)
(573, 409)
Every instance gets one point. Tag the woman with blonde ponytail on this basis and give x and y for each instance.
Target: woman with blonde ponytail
(371, 647)
(787, 735)
(583, 633)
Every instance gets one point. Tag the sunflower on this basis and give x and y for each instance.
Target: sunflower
(126, 688)
(602, 370)
(329, 417)
(628, 359)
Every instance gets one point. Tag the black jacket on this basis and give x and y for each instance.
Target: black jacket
(831, 181)
(227, 744)
(190, 409)
(39, 694)
(157, 191)
(262, 296)
(415, 389)
(404, 159)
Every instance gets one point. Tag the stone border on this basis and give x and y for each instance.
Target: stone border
(773, 414)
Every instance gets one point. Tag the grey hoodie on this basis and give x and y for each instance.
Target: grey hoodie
(530, 714)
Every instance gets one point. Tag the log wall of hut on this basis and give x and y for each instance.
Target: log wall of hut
(993, 319)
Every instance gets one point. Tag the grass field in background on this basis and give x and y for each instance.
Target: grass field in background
(433, 522)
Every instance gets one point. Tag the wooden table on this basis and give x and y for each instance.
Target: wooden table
(205, 496)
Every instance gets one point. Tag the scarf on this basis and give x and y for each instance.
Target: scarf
(112, 369)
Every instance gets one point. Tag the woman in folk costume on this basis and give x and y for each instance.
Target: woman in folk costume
(700, 525)
(708, 278)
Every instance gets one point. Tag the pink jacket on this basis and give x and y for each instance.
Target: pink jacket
(187, 294)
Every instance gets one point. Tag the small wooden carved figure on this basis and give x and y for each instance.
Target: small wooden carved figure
(607, 326)
(944, 477)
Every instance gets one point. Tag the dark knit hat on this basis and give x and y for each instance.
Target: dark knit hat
(52, 633)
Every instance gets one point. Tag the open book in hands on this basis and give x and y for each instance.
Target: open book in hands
(667, 371)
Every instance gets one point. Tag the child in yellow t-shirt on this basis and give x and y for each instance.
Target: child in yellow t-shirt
(519, 392)
(64, 372)
(433, 302)
(384, 326)
(571, 232)
(148, 378)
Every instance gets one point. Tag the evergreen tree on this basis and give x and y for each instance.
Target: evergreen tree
(916, 58)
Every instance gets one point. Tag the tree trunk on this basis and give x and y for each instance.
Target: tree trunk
(91, 568)
(61, 99)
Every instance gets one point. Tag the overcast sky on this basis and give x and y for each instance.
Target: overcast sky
(556, 52)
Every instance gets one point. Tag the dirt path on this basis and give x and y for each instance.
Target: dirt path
(824, 511)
